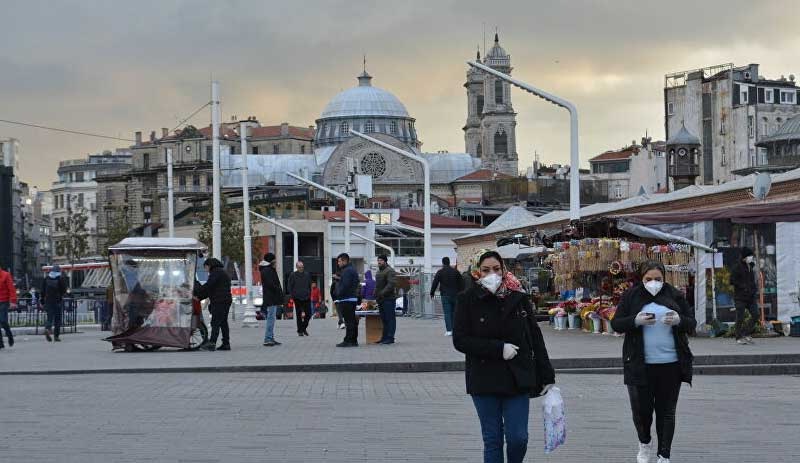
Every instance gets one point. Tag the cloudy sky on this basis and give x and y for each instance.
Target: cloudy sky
(115, 67)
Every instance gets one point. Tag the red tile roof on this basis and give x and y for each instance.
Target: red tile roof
(416, 218)
(624, 153)
(275, 131)
(338, 216)
(483, 175)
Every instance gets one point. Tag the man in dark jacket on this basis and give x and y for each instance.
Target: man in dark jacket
(217, 290)
(450, 283)
(745, 292)
(272, 296)
(299, 288)
(347, 297)
(54, 288)
(386, 297)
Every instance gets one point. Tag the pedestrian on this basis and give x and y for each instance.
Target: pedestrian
(347, 296)
(217, 290)
(335, 278)
(656, 321)
(272, 296)
(316, 300)
(385, 296)
(299, 288)
(450, 283)
(506, 358)
(368, 292)
(54, 288)
(745, 293)
(8, 301)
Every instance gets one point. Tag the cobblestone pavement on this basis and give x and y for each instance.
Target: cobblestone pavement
(339, 417)
(418, 340)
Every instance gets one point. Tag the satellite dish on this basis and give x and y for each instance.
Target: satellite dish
(761, 185)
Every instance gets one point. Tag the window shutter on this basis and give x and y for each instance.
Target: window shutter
(761, 98)
(751, 95)
(736, 93)
(797, 98)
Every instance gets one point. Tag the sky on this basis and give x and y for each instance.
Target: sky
(117, 67)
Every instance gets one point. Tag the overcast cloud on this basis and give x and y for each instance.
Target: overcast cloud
(115, 67)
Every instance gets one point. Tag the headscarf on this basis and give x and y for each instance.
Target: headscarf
(510, 282)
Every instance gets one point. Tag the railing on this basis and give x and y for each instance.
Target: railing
(29, 314)
(684, 170)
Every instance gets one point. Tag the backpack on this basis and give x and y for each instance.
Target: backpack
(53, 287)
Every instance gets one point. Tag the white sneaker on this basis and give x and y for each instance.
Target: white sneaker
(662, 459)
(448, 333)
(645, 450)
(742, 342)
(341, 327)
(748, 339)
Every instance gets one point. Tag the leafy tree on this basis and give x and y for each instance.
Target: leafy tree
(118, 227)
(232, 232)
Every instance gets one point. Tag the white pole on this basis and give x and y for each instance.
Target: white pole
(347, 225)
(248, 245)
(216, 222)
(295, 246)
(338, 195)
(381, 245)
(170, 195)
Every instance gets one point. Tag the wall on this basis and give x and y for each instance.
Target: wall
(788, 255)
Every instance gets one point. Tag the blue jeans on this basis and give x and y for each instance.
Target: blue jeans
(449, 306)
(269, 314)
(501, 416)
(389, 319)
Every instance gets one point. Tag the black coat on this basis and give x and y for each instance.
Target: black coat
(385, 284)
(53, 290)
(299, 286)
(629, 306)
(271, 288)
(483, 323)
(348, 285)
(743, 280)
(217, 289)
(449, 282)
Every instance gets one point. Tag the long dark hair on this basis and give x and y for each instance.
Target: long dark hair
(652, 265)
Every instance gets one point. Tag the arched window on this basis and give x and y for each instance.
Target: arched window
(500, 142)
(344, 129)
(369, 127)
(393, 127)
(498, 91)
(479, 150)
(480, 104)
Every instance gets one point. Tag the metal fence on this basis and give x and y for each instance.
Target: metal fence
(29, 314)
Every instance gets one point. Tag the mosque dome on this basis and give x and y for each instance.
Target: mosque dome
(364, 101)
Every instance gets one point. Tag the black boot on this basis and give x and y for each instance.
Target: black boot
(224, 346)
(10, 340)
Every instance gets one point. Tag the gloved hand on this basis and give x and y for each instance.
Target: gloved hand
(672, 318)
(641, 319)
(547, 387)
(509, 351)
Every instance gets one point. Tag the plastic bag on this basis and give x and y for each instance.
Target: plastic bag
(555, 420)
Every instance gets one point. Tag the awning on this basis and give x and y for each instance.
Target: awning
(785, 211)
(647, 232)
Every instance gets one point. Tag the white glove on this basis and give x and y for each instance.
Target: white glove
(509, 351)
(672, 318)
(546, 388)
(641, 319)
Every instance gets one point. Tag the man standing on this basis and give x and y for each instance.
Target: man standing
(53, 290)
(8, 300)
(385, 295)
(218, 291)
(299, 288)
(346, 296)
(744, 296)
(450, 283)
(273, 296)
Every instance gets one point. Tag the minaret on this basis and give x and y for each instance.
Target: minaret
(498, 119)
(472, 129)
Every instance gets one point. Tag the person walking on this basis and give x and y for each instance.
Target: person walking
(450, 283)
(217, 290)
(8, 301)
(745, 294)
(506, 357)
(272, 296)
(385, 296)
(346, 297)
(299, 288)
(54, 287)
(656, 321)
(316, 300)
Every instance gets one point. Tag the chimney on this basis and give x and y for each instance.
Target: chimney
(152, 136)
(284, 129)
(164, 132)
(138, 138)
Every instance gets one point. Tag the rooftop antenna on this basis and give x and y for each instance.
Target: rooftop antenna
(365, 63)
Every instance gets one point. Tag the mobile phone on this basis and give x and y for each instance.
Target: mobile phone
(650, 315)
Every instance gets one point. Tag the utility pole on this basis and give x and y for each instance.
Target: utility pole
(170, 195)
(216, 222)
(248, 240)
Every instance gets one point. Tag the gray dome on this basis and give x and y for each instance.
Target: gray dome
(683, 137)
(364, 100)
(790, 130)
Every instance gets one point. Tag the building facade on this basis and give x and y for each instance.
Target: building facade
(11, 218)
(731, 109)
(631, 170)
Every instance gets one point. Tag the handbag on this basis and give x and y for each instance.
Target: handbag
(527, 334)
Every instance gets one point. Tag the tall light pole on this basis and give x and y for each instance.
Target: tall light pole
(170, 195)
(335, 193)
(574, 182)
(248, 240)
(216, 222)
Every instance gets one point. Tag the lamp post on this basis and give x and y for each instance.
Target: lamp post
(381, 245)
(216, 222)
(170, 195)
(248, 240)
(574, 183)
(347, 206)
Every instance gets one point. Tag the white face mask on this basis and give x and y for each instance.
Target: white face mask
(653, 286)
(491, 282)
(749, 259)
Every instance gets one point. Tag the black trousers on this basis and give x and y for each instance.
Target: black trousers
(348, 311)
(660, 394)
(742, 328)
(302, 312)
(219, 322)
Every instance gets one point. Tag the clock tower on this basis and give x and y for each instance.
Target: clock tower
(683, 159)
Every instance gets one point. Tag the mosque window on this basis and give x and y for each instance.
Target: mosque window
(501, 142)
(373, 164)
(344, 129)
(480, 104)
(393, 127)
(479, 150)
(498, 91)
(369, 127)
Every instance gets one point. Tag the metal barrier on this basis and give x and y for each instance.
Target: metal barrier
(29, 314)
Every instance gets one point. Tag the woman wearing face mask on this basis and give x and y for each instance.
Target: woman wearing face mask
(656, 320)
(506, 358)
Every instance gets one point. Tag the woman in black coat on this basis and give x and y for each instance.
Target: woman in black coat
(656, 320)
(506, 358)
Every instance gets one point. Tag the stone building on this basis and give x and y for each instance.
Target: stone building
(631, 170)
(782, 147)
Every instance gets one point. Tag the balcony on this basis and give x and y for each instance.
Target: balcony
(690, 170)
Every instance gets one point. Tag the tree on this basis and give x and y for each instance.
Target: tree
(76, 243)
(232, 232)
(118, 227)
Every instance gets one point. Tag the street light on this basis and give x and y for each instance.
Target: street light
(381, 245)
(347, 206)
(248, 241)
(574, 183)
(216, 222)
